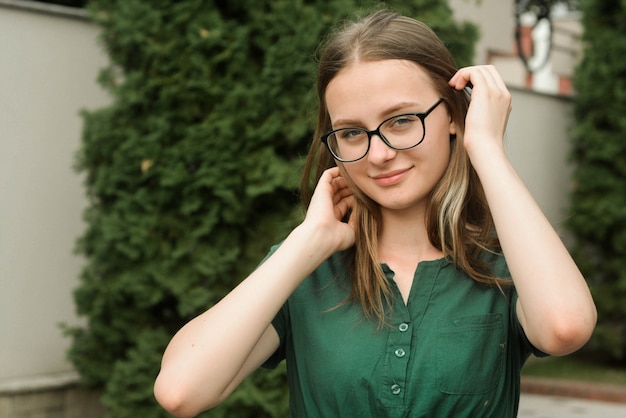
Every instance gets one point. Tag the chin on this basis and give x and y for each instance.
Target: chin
(399, 205)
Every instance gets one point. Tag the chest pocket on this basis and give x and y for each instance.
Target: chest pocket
(470, 353)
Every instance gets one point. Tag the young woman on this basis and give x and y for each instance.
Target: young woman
(423, 275)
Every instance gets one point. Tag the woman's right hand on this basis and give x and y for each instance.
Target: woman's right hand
(331, 201)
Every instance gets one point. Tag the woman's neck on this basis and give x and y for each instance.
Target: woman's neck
(405, 234)
(403, 244)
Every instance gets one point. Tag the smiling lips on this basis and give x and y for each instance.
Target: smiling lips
(390, 178)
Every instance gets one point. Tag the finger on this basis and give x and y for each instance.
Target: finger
(332, 173)
(477, 76)
(328, 176)
(343, 206)
(342, 190)
(463, 77)
(326, 182)
(495, 77)
(481, 76)
(458, 81)
(487, 76)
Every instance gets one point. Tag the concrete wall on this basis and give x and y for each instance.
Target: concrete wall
(48, 68)
(496, 23)
(537, 144)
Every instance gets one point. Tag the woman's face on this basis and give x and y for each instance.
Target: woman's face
(364, 94)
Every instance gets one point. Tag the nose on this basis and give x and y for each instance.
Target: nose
(379, 151)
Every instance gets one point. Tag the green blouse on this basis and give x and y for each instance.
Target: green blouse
(455, 349)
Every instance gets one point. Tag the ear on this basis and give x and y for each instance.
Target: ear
(452, 128)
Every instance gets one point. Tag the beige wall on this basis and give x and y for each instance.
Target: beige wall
(48, 68)
(496, 22)
(537, 143)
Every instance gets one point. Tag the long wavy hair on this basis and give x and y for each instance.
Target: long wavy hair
(458, 221)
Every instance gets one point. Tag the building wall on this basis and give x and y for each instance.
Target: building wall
(48, 68)
(496, 23)
(537, 143)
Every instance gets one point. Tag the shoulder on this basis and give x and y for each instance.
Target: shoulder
(495, 261)
(331, 275)
(489, 262)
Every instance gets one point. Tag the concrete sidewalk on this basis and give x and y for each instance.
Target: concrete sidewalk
(549, 406)
(551, 398)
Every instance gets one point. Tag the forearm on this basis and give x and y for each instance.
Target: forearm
(555, 305)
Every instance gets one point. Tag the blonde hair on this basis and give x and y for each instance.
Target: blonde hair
(459, 222)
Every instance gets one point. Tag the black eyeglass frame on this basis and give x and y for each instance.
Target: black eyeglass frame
(422, 117)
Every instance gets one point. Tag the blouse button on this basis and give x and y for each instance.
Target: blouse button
(400, 353)
(403, 327)
(396, 389)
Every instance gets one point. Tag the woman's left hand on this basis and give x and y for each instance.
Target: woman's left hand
(490, 106)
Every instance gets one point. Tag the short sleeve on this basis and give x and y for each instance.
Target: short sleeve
(280, 324)
(501, 270)
(527, 346)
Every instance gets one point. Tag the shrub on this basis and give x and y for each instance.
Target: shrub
(191, 173)
(599, 153)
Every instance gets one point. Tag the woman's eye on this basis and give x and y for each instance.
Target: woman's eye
(351, 134)
(402, 121)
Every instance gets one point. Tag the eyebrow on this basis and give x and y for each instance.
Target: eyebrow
(389, 112)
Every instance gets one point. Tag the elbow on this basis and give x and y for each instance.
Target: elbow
(568, 335)
(171, 399)
(178, 401)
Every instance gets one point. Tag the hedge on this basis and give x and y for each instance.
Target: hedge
(599, 155)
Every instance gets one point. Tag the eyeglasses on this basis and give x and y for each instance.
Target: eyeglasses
(399, 132)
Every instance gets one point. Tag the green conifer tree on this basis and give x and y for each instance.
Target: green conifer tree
(599, 153)
(191, 173)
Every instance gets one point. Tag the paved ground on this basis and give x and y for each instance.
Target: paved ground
(550, 406)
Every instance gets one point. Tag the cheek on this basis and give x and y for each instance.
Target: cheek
(441, 132)
(437, 149)
(353, 171)
(436, 159)
(357, 178)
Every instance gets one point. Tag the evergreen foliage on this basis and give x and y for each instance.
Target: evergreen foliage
(191, 173)
(599, 153)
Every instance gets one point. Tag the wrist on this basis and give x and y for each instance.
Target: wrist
(313, 241)
(485, 155)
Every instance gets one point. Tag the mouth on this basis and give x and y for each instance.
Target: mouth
(390, 178)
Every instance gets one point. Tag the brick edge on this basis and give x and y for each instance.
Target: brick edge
(572, 389)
